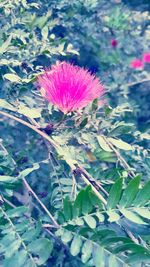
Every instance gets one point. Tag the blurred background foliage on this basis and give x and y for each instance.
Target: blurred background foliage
(111, 144)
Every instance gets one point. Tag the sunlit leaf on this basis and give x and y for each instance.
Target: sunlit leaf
(75, 246)
(132, 216)
(86, 251)
(103, 143)
(6, 105)
(98, 256)
(12, 77)
(90, 221)
(120, 144)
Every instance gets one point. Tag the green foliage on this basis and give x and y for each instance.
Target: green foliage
(21, 244)
(85, 232)
(48, 214)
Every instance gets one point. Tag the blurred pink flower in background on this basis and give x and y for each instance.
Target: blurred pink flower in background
(136, 64)
(69, 87)
(146, 57)
(114, 42)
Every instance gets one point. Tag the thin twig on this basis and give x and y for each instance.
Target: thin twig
(40, 202)
(8, 202)
(34, 122)
(92, 180)
(47, 225)
(34, 128)
(138, 82)
(135, 240)
(121, 159)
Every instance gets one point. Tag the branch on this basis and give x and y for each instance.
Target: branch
(89, 180)
(94, 189)
(57, 147)
(8, 202)
(41, 204)
(33, 127)
(138, 82)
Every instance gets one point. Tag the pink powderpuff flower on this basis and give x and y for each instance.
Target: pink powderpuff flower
(146, 58)
(114, 43)
(136, 64)
(69, 87)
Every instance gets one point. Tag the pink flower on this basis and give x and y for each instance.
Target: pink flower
(69, 87)
(146, 58)
(114, 42)
(136, 63)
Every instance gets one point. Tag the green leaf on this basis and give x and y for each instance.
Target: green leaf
(138, 257)
(98, 256)
(12, 77)
(86, 203)
(77, 208)
(75, 246)
(67, 208)
(41, 20)
(120, 144)
(130, 192)
(6, 179)
(114, 194)
(130, 247)
(103, 144)
(95, 201)
(91, 222)
(27, 171)
(106, 156)
(113, 216)
(31, 113)
(32, 233)
(83, 123)
(144, 212)
(18, 259)
(6, 240)
(6, 105)
(70, 49)
(112, 261)
(17, 212)
(79, 221)
(122, 128)
(12, 248)
(99, 235)
(132, 216)
(100, 216)
(44, 32)
(65, 181)
(66, 237)
(145, 136)
(143, 195)
(42, 248)
(86, 251)
(111, 240)
(30, 263)
(5, 45)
